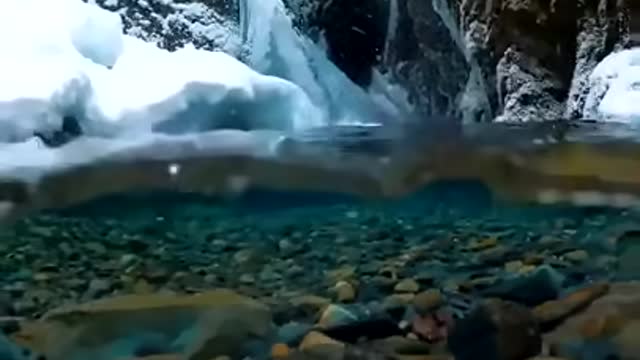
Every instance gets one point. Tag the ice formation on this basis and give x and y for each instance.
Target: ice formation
(133, 101)
(615, 88)
(72, 59)
(277, 49)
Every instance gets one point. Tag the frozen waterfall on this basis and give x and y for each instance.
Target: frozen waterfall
(278, 49)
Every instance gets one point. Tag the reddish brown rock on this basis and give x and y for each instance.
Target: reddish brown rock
(319, 344)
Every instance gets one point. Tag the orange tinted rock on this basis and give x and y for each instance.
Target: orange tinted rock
(280, 351)
(557, 310)
(316, 338)
(322, 346)
(613, 318)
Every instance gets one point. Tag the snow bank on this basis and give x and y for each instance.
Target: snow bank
(72, 59)
(615, 88)
(136, 103)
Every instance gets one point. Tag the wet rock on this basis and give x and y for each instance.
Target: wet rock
(98, 288)
(428, 301)
(247, 279)
(530, 289)
(292, 333)
(497, 255)
(334, 315)
(628, 254)
(224, 321)
(280, 351)
(319, 344)
(483, 244)
(346, 273)
(310, 305)
(398, 347)
(96, 248)
(395, 300)
(407, 286)
(607, 328)
(498, 330)
(368, 326)
(344, 292)
(555, 311)
(433, 327)
(513, 266)
(577, 256)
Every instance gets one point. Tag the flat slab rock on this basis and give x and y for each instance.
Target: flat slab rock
(609, 328)
(199, 326)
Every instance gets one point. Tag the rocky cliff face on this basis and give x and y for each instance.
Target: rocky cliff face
(526, 60)
(508, 60)
(207, 24)
(479, 60)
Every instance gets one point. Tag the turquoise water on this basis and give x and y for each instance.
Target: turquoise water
(277, 243)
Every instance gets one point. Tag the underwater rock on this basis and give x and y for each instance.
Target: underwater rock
(428, 301)
(529, 289)
(407, 286)
(628, 251)
(498, 330)
(202, 326)
(555, 311)
(315, 339)
(607, 328)
(345, 291)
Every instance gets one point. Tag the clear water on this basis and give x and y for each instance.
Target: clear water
(310, 224)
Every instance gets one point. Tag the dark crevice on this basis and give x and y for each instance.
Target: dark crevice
(355, 32)
(70, 130)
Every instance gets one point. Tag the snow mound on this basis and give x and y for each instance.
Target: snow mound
(615, 88)
(78, 63)
(87, 110)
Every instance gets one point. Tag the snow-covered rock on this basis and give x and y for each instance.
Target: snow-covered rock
(172, 24)
(615, 88)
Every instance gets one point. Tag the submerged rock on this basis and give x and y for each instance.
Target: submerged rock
(604, 328)
(529, 289)
(496, 330)
(202, 326)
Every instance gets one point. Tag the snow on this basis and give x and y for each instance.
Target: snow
(132, 100)
(615, 88)
(77, 62)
